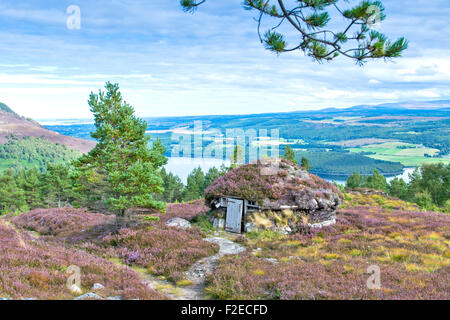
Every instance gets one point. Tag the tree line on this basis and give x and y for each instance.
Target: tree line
(57, 186)
(429, 186)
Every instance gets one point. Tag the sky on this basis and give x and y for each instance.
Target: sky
(171, 63)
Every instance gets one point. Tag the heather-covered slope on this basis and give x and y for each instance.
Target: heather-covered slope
(34, 268)
(11, 123)
(146, 244)
(410, 248)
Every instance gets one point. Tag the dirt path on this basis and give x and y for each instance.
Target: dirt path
(196, 274)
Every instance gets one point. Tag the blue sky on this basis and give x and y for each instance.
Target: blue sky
(171, 63)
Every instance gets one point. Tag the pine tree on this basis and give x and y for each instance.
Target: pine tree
(173, 188)
(289, 154)
(121, 163)
(355, 181)
(398, 188)
(305, 164)
(212, 175)
(30, 182)
(57, 186)
(431, 178)
(195, 185)
(376, 181)
(12, 198)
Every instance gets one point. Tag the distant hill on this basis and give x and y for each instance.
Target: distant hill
(4, 107)
(11, 124)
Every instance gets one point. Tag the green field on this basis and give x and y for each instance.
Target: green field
(409, 155)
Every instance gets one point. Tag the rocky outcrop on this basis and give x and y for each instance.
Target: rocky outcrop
(178, 223)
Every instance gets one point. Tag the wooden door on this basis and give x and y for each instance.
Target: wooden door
(234, 215)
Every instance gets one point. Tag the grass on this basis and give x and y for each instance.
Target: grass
(202, 221)
(409, 155)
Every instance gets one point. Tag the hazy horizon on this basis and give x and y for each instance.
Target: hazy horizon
(91, 119)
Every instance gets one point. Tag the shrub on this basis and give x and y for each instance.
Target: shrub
(162, 250)
(33, 268)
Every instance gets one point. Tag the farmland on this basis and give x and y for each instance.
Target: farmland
(410, 155)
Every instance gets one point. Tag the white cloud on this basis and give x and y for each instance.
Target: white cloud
(171, 63)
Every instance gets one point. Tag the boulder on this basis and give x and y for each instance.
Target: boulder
(89, 296)
(97, 287)
(178, 223)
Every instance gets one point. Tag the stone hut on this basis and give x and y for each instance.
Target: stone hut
(271, 194)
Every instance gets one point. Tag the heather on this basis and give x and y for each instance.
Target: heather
(272, 183)
(148, 244)
(33, 268)
(160, 250)
(186, 210)
(61, 222)
(411, 248)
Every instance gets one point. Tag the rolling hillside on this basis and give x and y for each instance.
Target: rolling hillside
(13, 124)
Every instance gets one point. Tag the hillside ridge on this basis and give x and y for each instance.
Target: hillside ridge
(13, 124)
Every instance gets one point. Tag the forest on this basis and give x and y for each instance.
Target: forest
(25, 189)
(32, 152)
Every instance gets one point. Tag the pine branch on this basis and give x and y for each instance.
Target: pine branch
(310, 19)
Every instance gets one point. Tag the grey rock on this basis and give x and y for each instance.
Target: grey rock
(323, 224)
(226, 246)
(218, 223)
(89, 295)
(274, 261)
(114, 298)
(97, 286)
(178, 223)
